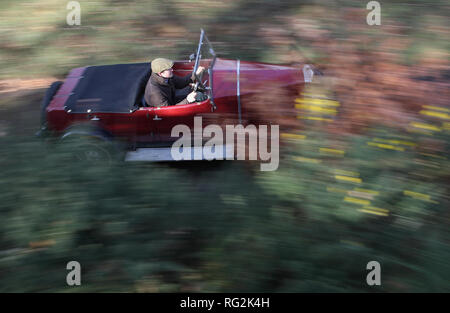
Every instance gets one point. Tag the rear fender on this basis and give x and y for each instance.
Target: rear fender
(49, 94)
(90, 134)
(86, 130)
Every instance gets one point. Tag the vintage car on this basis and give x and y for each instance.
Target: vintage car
(106, 105)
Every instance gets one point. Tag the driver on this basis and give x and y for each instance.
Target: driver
(163, 88)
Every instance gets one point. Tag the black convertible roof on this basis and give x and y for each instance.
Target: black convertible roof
(109, 89)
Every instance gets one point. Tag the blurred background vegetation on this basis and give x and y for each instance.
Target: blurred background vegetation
(363, 176)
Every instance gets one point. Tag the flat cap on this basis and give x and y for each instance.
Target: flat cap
(160, 65)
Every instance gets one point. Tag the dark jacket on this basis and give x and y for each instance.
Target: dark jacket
(160, 91)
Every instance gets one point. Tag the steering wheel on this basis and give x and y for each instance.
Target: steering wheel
(199, 85)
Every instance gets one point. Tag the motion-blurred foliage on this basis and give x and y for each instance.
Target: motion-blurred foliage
(310, 226)
(363, 177)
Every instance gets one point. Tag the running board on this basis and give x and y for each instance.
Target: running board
(164, 154)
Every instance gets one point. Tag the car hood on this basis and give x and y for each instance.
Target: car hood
(253, 77)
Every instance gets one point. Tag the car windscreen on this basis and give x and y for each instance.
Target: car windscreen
(205, 54)
(206, 57)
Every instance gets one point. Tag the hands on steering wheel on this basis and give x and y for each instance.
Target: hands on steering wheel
(199, 85)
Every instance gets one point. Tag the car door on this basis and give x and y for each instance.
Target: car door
(145, 131)
(166, 118)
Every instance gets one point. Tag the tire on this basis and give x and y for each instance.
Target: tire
(49, 94)
(93, 150)
(86, 144)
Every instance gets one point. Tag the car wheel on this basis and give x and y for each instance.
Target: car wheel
(93, 151)
(90, 148)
